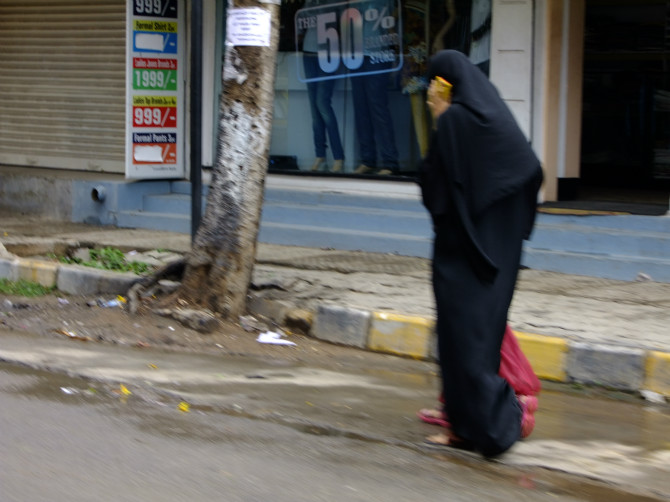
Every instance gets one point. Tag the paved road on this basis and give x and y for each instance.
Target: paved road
(268, 429)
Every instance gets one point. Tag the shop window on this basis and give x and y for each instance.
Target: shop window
(350, 91)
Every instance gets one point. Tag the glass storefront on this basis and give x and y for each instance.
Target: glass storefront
(350, 90)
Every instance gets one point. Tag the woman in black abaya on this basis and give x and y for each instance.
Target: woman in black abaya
(479, 182)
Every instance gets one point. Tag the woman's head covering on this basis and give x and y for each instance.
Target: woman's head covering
(479, 143)
(472, 87)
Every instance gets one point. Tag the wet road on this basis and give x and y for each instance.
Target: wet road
(64, 440)
(72, 439)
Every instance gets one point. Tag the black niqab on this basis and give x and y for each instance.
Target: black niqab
(477, 142)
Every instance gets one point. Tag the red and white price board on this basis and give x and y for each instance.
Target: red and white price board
(155, 89)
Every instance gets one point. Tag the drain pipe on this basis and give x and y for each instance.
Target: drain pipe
(196, 116)
(98, 193)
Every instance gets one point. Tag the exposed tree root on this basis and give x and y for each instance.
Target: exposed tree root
(155, 286)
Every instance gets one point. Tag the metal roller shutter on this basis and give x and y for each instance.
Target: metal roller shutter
(62, 84)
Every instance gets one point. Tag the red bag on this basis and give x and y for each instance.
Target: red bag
(515, 367)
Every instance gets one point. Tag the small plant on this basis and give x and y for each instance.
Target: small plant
(23, 288)
(108, 259)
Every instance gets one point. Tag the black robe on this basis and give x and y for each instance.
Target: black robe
(479, 182)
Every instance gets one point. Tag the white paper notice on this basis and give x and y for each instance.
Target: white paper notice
(248, 26)
(149, 42)
(148, 153)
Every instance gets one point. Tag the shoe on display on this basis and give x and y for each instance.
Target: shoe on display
(384, 172)
(337, 166)
(363, 169)
(319, 163)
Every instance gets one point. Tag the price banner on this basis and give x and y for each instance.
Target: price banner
(155, 74)
(155, 8)
(154, 89)
(155, 148)
(350, 38)
(155, 36)
(155, 116)
(154, 111)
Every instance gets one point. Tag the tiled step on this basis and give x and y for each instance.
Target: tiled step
(624, 268)
(612, 246)
(601, 241)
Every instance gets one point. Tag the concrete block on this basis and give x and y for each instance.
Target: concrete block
(657, 372)
(9, 269)
(299, 320)
(606, 365)
(342, 325)
(77, 280)
(274, 310)
(399, 334)
(546, 354)
(116, 283)
(40, 272)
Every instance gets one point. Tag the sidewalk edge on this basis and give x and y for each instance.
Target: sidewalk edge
(552, 358)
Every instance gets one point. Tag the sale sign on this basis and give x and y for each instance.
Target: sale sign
(155, 148)
(154, 103)
(155, 8)
(155, 74)
(350, 38)
(154, 111)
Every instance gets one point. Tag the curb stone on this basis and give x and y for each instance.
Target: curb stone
(342, 325)
(9, 269)
(657, 373)
(610, 366)
(77, 279)
(40, 272)
(552, 358)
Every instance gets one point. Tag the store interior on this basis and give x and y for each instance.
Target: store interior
(625, 149)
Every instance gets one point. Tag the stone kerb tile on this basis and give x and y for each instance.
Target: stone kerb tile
(547, 354)
(399, 334)
(77, 280)
(274, 310)
(9, 269)
(606, 365)
(40, 272)
(657, 374)
(342, 325)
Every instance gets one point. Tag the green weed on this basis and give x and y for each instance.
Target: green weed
(109, 259)
(23, 288)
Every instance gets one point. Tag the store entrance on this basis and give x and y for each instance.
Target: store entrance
(626, 101)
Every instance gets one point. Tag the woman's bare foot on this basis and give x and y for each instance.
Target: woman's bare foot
(431, 413)
(440, 439)
(448, 440)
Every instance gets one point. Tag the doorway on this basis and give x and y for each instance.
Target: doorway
(625, 152)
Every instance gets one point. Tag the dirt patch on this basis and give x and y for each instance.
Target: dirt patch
(83, 320)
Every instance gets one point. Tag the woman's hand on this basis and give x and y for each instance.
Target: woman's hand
(436, 103)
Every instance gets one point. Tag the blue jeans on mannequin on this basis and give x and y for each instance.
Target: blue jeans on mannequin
(374, 126)
(324, 120)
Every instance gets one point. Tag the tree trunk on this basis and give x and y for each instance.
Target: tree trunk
(220, 263)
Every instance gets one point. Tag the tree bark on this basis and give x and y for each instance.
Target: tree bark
(220, 264)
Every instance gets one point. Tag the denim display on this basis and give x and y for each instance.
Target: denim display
(324, 120)
(374, 125)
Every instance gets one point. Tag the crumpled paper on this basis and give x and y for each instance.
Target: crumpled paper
(273, 338)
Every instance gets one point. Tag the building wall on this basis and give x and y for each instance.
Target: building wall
(557, 104)
(536, 63)
(512, 58)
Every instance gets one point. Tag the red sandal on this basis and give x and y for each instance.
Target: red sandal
(434, 417)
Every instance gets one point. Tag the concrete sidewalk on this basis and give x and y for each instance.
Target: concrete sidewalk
(572, 328)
